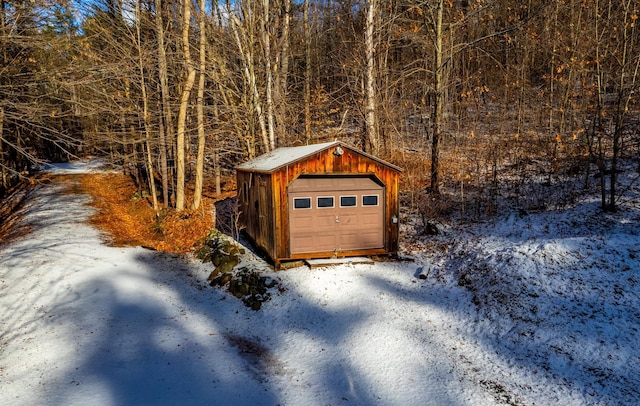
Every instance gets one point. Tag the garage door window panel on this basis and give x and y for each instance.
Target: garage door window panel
(370, 200)
(301, 203)
(325, 202)
(348, 201)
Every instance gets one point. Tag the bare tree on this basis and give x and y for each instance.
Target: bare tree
(202, 20)
(616, 66)
(145, 111)
(189, 80)
(165, 123)
(307, 73)
(438, 92)
(266, 36)
(281, 87)
(244, 39)
(370, 92)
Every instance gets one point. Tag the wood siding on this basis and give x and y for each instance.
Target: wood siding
(256, 207)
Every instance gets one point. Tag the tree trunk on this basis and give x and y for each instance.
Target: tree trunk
(184, 104)
(266, 43)
(600, 106)
(283, 73)
(3, 165)
(218, 174)
(145, 115)
(246, 56)
(166, 122)
(370, 96)
(438, 96)
(197, 194)
(307, 74)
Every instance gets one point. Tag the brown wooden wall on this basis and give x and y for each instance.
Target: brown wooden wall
(256, 205)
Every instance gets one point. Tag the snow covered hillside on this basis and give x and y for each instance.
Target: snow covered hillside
(537, 309)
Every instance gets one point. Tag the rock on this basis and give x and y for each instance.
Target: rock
(216, 259)
(227, 263)
(244, 283)
(212, 243)
(213, 274)
(237, 294)
(204, 254)
(225, 277)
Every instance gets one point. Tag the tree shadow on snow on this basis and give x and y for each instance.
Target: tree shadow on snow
(148, 340)
(155, 335)
(556, 298)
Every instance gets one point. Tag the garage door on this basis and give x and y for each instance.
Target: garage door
(335, 213)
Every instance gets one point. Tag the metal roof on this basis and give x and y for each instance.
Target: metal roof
(279, 157)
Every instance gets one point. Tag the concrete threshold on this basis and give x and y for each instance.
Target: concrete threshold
(318, 263)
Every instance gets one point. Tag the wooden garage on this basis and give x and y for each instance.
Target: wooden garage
(319, 201)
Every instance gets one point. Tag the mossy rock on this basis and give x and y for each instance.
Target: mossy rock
(204, 254)
(246, 284)
(228, 263)
(253, 302)
(236, 289)
(213, 274)
(216, 259)
(221, 280)
(225, 246)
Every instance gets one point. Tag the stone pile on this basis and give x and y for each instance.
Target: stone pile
(244, 283)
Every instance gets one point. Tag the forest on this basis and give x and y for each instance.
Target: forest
(487, 105)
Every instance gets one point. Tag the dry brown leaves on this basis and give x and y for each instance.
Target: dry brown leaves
(130, 220)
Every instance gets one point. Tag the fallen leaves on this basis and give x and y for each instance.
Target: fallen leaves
(129, 219)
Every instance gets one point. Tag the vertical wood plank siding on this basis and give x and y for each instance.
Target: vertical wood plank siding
(257, 208)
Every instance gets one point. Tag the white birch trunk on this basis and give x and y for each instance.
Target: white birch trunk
(370, 96)
(249, 74)
(266, 44)
(165, 123)
(197, 195)
(184, 104)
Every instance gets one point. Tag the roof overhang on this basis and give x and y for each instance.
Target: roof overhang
(283, 156)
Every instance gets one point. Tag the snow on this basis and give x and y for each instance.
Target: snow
(282, 156)
(536, 309)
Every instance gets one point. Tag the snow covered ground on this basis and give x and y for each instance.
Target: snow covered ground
(538, 309)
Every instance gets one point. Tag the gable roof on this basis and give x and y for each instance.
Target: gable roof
(283, 156)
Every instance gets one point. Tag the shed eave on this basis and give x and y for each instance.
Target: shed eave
(380, 161)
(281, 157)
(266, 172)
